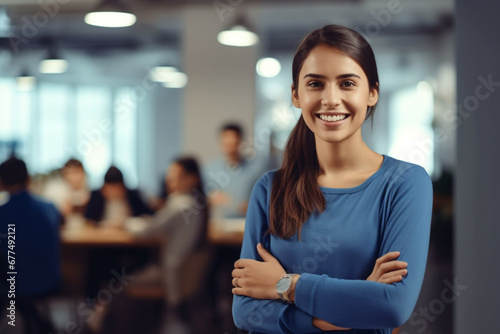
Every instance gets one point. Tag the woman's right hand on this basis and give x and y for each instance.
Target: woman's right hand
(387, 270)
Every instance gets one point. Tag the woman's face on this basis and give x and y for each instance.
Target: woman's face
(333, 93)
(178, 180)
(74, 176)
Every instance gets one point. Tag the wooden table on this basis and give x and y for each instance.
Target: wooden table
(78, 241)
(228, 232)
(92, 236)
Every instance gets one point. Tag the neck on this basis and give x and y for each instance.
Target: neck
(350, 154)
(234, 159)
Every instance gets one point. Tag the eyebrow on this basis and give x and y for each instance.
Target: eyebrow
(341, 76)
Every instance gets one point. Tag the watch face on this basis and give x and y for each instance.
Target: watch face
(283, 284)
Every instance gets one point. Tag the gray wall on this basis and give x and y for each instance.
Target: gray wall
(221, 84)
(477, 198)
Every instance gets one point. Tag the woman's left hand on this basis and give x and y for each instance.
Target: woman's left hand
(257, 279)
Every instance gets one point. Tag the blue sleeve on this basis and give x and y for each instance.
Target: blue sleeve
(366, 304)
(265, 316)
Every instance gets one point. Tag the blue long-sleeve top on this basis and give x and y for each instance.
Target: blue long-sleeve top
(390, 211)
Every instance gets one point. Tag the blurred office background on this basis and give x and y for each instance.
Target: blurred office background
(112, 98)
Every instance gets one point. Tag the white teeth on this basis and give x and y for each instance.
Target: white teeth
(334, 118)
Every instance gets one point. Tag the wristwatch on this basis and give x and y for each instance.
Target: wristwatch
(283, 287)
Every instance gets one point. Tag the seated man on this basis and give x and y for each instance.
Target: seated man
(29, 229)
(109, 207)
(114, 202)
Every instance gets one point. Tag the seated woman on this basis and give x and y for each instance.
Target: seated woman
(114, 202)
(182, 221)
(69, 191)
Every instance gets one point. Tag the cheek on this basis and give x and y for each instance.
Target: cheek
(309, 120)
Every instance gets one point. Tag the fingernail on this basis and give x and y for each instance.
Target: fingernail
(259, 245)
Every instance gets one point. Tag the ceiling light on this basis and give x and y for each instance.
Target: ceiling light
(268, 67)
(110, 14)
(53, 64)
(168, 76)
(238, 34)
(176, 80)
(25, 82)
(161, 73)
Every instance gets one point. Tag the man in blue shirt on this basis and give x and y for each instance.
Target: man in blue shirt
(29, 245)
(229, 180)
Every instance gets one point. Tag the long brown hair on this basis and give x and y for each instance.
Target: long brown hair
(295, 192)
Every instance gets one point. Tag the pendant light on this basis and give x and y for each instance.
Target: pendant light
(25, 81)
(53, 63)
(239, 33)
(110, 14)
(168, 76)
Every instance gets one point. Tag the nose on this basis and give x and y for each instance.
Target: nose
(331, 97)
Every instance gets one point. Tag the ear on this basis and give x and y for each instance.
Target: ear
(295, 97)
(373, 96)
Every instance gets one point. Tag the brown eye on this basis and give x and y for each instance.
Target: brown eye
(315, 84)
(348, 84)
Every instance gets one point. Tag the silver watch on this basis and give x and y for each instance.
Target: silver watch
(283, 287)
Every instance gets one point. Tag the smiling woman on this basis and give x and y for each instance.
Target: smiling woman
(329, 235)
(333, 97)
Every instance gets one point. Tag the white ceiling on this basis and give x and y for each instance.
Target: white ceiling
(157, 33)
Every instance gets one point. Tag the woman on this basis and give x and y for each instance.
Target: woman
(182, 220)
(333, 210)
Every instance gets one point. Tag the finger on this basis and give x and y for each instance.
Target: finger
(234, 282)
(401, 272)
(392, 279)
(237, 272)
(242, 263)
(238, 291)
(392, 265)
(398, 274)
(388, 257)
(264, 254)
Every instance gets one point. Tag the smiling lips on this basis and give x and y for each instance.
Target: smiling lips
(332, 118)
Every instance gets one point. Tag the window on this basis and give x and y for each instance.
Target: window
(55, 122)
(411, 112)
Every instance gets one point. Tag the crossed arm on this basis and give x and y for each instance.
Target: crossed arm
(339, 303)
(257, 279)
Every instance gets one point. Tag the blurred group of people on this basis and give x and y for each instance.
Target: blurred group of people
(192, 194)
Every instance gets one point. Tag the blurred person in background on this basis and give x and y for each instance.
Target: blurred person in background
(182, 223)
(29, 246)
(229, 180)
(109, 208)
(114, 202)
(69, 192)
